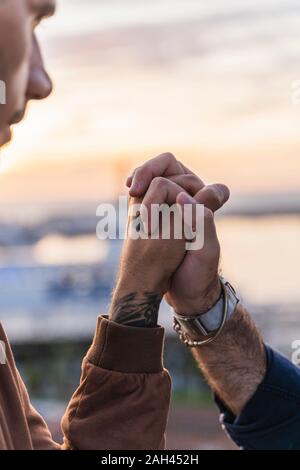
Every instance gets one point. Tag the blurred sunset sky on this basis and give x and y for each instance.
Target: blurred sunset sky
(209, 80)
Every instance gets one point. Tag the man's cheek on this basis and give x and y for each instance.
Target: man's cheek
(16, 89)
(15, 36)
(14, 70)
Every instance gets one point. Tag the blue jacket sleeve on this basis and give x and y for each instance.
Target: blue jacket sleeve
(271, 418)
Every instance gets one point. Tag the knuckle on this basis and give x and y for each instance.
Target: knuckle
(210, 191)
(137, 170)
(158, 182)
(192, 179)
(143, 171)
(170, 156)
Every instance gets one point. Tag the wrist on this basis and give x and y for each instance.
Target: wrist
(202, 302)
(133, 306)
(204, 328)
(140, 282)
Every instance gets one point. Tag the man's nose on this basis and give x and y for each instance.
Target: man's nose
(39, 84)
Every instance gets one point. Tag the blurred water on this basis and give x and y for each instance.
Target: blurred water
(71, 278)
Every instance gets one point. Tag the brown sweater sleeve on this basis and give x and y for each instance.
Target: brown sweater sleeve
(123, 397)
(121, 403)
(38, 436)
(21, 426)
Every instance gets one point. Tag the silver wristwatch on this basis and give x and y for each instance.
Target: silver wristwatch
(204, 328)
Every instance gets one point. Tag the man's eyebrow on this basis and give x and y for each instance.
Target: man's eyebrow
(43, 10)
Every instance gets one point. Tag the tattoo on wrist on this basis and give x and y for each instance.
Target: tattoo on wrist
(136, 309)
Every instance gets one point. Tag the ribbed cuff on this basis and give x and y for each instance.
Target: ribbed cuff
(127, 349)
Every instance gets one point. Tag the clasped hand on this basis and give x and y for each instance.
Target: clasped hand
(153, 267)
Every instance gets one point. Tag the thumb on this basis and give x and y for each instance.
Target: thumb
(210, 233)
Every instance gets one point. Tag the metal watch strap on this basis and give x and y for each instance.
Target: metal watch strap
(207, 325)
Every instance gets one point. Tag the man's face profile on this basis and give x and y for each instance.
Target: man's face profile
(21, 64)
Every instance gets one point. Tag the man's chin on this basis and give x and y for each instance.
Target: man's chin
(5, 136)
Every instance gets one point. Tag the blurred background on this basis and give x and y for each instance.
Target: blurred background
(211, 81)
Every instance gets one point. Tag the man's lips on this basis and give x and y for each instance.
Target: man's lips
(17, 118)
